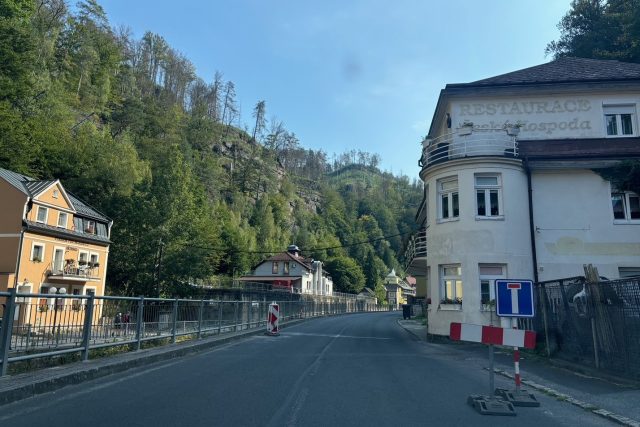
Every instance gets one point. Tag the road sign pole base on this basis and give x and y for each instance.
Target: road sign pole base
(491, 405)
(519, 397)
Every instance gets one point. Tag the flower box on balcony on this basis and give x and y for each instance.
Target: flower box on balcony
(450, 307)
(465, 129)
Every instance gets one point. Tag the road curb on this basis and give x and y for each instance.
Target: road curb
(44, 381)
(611, 416)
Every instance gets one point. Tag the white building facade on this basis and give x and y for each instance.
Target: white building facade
(511, 184)
(294, 272)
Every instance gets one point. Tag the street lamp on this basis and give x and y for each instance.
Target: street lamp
(55, 291)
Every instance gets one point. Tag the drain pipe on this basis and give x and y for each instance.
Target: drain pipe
(534, 257)
(532, 231)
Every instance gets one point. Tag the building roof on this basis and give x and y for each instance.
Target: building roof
(32, 187)
(71, 234)
(368, 292)
(83, 209)
(286, 256)
(564, 70)
(36, 187)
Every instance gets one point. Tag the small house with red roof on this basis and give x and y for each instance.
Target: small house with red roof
(292, 272)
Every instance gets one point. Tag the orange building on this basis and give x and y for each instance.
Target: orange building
(49, 239)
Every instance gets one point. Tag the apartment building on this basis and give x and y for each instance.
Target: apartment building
(512, 187)
(49, 240)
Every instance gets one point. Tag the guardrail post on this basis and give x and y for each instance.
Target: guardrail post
(219, 316)
(250, 314)
(235, 317)
(139, 322)
(175, 321)
(200, 318)
(86, 330)
(7, 327)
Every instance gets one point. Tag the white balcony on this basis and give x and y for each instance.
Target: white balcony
(468, 142)
(416, 253)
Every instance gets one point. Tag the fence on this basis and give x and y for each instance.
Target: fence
(594, 324)
(43, 325)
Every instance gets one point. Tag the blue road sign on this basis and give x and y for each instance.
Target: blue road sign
(514, 298)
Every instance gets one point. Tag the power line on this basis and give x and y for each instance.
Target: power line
(364, 242)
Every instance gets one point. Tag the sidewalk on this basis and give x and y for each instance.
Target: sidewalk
(616, 400)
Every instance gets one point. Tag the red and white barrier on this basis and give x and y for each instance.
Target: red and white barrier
(492, 335)
(273, 319)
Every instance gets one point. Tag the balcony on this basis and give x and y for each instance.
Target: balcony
(416, 253)
(75, 273)
(469, 142)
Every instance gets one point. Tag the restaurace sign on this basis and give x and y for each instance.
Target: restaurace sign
(536, 117)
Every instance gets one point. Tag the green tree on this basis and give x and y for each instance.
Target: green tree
(346, 274)
(601, 29)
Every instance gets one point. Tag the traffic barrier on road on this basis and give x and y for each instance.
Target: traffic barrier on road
(492, 335)
(273, 319)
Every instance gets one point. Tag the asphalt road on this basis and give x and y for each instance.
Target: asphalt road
(350, 370)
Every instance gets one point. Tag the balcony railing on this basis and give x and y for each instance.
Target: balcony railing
(72, 272)
(416, 250)
(468, 142)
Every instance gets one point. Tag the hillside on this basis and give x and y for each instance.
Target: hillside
(194, 193)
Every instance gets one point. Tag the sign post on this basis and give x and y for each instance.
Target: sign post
(491, 335)
(514, 299)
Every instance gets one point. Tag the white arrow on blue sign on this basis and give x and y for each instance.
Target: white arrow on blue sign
(514, 298)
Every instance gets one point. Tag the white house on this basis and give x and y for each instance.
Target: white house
(291, 271)
(511, 184)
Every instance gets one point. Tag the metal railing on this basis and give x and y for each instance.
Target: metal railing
(43, 325)
(468, 143)
(416, 248)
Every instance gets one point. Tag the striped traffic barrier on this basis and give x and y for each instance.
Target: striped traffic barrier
(273, 319)
(492, 335)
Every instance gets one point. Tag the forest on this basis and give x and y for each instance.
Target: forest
(197, 193)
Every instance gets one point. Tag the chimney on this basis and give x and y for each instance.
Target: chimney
(294, 250)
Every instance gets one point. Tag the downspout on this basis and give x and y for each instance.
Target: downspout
(532, 231)
(534, 257)
(24, 217)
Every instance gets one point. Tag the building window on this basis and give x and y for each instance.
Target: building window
(489, 273)
(626, 206)
(37, 252)
(42, 214)
(619, 120)
(62, 220)
(448, 198)
(93, 261)
(488, 196)
(90, 226)
(286, 267)
(56, 193)
(274, 267)
(451, 284)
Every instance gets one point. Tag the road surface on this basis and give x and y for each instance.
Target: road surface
(351, 370)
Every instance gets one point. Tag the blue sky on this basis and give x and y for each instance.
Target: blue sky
(351, 74)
